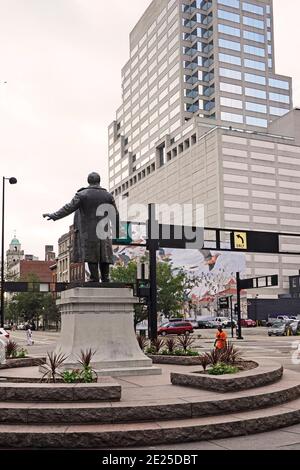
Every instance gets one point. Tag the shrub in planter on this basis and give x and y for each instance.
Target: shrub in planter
(157, 345)
(171, 345)
(185, 342)
(188, 352)
(55, 362)
(142, 340)
(222, 369)
(21, 353)
(204, 361)
(11, 349)
(230, 354)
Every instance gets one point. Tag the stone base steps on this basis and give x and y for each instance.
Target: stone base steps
(147, 434)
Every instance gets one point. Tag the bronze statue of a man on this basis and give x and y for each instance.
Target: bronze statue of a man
(95, 210)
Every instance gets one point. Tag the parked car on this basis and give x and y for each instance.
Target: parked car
(4, 334)
(193, 322)
(248, 323)
(21, 326)
(176, 328)
(282, 318)
(279, 328)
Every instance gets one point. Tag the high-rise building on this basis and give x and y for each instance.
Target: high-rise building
(207, 59)
(205, 120)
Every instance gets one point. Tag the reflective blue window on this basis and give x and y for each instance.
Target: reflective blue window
(279, 84)
(257, 108)
(254, 64)
(229, 30)
(255, 79)
(230, 73)
(235, 46)
(270, 63)
(255, 93)
(230, 59)
(231, 117)
(278, 111)
(253, 8)
(254, 50)
(227, 15)
(279, 98)
(254, 36)
(253, 22)
(231, 103)
(253, 121)
(230, 3)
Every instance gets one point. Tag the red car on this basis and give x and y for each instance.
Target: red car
(176, 328)
(248, 323)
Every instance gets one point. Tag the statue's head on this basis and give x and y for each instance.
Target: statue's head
(94, 178)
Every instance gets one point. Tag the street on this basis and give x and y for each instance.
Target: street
(256, 344)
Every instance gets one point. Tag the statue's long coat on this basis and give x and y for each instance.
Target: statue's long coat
(87, 247)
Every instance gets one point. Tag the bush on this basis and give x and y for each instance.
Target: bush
(222, 369)
(71, 376)
(230, 354)
(21, 353)
(55, 362)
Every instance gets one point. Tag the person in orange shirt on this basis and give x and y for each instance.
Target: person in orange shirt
(221, 338)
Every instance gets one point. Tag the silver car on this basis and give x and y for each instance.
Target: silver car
(279, 328)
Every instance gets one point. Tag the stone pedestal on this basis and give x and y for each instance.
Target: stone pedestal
(102, 319)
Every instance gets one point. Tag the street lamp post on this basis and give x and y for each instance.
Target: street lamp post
(11, 181)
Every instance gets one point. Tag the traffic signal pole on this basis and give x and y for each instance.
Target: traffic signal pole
(239, 321)
(152, 246)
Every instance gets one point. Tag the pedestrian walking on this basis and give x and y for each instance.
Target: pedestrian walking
(29, 335)
(221, 339)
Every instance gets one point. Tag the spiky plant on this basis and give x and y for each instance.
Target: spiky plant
(185, 341)
(55, 361)
(230, 354)
(86, 357)
(171, 344)
(157, 344)
(214, 356)
(143, 342)
(204, 360)
(11, 349)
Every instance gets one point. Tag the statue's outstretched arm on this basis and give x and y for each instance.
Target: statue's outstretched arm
(66, 210)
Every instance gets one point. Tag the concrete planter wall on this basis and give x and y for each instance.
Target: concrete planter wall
(175, 360)
(24, 362)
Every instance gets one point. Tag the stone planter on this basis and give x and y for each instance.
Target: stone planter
(175, 360)
(24, 362)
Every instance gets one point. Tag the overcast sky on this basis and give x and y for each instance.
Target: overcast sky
(62, 61)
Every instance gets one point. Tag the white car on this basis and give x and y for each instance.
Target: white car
(4, 334)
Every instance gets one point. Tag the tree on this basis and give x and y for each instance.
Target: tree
(32, 306)
(170, 288)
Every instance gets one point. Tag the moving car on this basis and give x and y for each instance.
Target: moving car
(4, 334)
(279, 328)
(248, 323)
(176, 328)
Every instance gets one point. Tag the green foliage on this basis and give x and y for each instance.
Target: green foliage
(71, 376)
(29, 306)
(171, 288)
(188, 352)
(222, 369)
(22, 353)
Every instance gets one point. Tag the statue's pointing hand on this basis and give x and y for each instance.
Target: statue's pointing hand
(48, 216)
